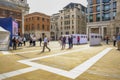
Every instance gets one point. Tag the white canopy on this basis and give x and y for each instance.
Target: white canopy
(4, 39)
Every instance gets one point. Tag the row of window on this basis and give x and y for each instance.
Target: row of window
(98, 1)
(105, 16)
(105, 7)
(9, 13)
(67, 27)
(36, 18)
(67, 32)
(67, 22)
(28, 27)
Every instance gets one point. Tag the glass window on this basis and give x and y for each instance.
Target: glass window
(91, 9)
(97, 17)
(106, 1)
(98, 8)
(43, 19)
(114, 5)
(43, 27)
(98, 1)
(114, 14)
(91, 2)
(91, 18)
(106, 16)
(106, 7)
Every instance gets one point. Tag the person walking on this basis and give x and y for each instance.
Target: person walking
(45, 44)
(118, 41)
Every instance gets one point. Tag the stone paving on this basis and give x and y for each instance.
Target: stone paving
(83, 62)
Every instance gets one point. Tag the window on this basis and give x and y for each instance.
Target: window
(106, 7)
(72, 16)
(98, 1)
(106, 1)
(98, 8)
(97, 17)
(91, 18)
(114, 14)
(72, 32)
(67, 33)
(61, 33)
(43, 19)
(106, 16)
(114, 5)
(72, 27)
(72, 22)
(43, 27)
(91, 2)
(38, 18)
(91, 9)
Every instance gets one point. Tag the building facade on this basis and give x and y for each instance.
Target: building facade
(54, 21)
(70, 20)
(15, 9)
(115, 25)
(100, 13)
(38, 24)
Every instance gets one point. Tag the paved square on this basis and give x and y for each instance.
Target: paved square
(76, 63)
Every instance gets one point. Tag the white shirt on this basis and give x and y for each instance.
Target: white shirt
(45, 40)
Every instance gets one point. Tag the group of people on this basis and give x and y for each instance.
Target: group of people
(18, 42)
(62, 41)
(115, 39)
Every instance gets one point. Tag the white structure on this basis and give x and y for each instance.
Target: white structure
(95, 39)
(4, 39)
(83, 38)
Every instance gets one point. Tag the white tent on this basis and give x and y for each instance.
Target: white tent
(4, 39)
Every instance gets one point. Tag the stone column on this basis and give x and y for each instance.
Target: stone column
(23, 22)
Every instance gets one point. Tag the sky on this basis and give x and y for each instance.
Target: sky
(50, 7)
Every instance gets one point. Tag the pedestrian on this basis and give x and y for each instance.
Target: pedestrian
(34, 40)
(114, 40)
(14, 42)
(30, 41)
(40, 39)
(20, 41)
(71, 41)
(78, 40)
(107, 40)
(118, 41)
(63, 42)
(24, 41)
(45, 44)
